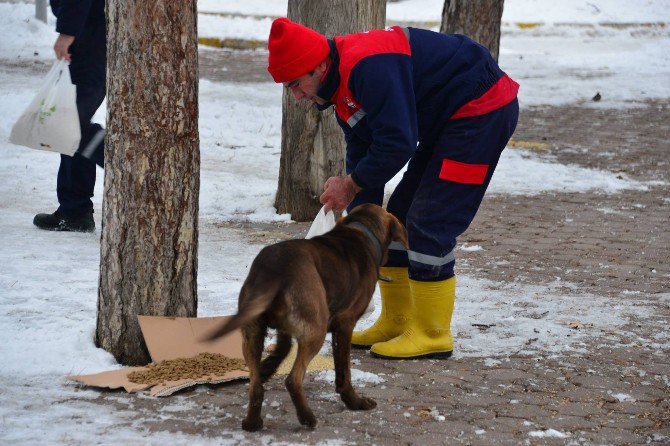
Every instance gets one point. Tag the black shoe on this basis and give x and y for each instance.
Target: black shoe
(58, 222)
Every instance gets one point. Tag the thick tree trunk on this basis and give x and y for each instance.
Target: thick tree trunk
(312, 142)
(477, 19)
(148, 261)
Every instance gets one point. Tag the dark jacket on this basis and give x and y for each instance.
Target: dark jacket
(85, 20)
(398, 95)
(74, 16)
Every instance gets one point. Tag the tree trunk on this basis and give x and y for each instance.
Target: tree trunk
(312, 142)
(477, 19)
(148, 257)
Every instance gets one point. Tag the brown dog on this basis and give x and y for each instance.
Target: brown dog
(304, 289)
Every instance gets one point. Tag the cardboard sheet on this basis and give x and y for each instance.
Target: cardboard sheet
(177, 337)
(172, 338)
(113, 379)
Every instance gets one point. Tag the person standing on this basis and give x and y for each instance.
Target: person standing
(439, 102)
(82, 42)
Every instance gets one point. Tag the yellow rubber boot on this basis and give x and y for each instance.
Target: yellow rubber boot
(396, 309)
(428, 334)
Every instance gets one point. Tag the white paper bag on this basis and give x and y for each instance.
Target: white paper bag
(321, 224)
(51, 121)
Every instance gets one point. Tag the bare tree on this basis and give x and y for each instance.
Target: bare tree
(148, 261)
(477, 19)
(312, 143)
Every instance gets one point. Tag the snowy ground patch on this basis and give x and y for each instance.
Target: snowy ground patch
(44, 410)
(623, 69)
(523, 172)
(624, 397)
(549, 433)
(358, 377)
(234, 27)
(617, 49)
(470, 248)
(493, 319)
(240, 132)
(29, 39)
(525, 11)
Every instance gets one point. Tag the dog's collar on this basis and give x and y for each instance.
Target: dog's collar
(371, 236)
(375, 241)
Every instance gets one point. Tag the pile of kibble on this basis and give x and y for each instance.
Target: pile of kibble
(205, 365)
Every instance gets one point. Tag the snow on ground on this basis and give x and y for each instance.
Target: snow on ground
(570, 52)
(549, 433)
(246, 7)
(235, 27)
(48, 281)
(521, 11)
(544, 11)
(357, 376)
(232, 158)
(541, 175)
(627, 63)
(495, 317)
(571, 65)
(29, 38)
(601, 58)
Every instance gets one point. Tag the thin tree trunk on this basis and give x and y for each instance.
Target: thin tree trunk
(477, 19)
(312, 143)
(148, 261)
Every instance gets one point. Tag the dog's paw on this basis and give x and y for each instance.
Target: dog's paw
(308, 420)
(252, 425)
(367, 404)
(360, 403)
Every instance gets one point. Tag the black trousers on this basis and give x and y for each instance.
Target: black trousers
(76, 175)
(442, 189)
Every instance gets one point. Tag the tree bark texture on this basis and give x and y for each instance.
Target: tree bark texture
(312, 148)
(477, 19)
(148, 261)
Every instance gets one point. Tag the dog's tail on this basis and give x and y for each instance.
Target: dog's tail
(251, 309)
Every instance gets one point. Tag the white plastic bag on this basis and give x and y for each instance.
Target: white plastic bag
(321, 224)
(51, 121)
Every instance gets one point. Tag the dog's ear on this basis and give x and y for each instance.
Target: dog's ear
(398, 231)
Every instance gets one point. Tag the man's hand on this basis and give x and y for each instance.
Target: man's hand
(62, 47)
(338, 192)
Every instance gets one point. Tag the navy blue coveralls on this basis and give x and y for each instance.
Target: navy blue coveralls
(438, 101)
(85, 20)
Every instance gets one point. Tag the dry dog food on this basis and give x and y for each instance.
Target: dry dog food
(205, 365)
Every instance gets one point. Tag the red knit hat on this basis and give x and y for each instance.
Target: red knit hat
(295, 50)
